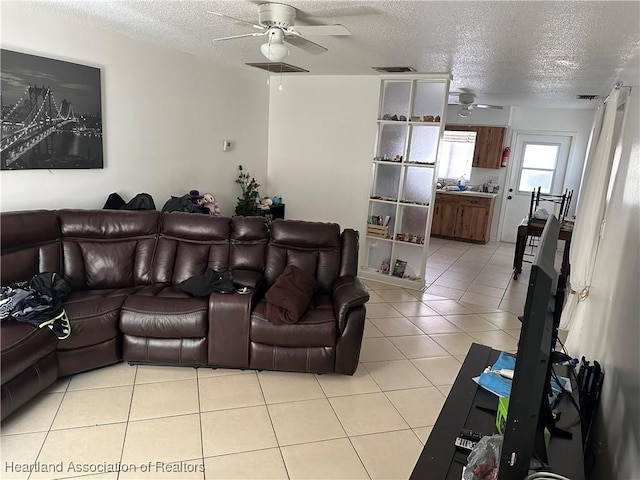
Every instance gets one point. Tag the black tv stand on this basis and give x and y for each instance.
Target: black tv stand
(472, 407)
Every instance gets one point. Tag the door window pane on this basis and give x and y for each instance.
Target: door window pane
(532, 179)
(540, 156)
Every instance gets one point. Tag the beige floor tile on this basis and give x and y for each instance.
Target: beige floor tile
(391, 327)
(237, 430)
(471, 323)
(423, 433)
(168, 439)
(371, 331)
(476, 308)
(462, 276)
(517, 308)
(448, 307)
(514, 332)
(454, 343)
(496, 339)
(222, 372)
(438, 370)
(396, 374)
(120, 374)
(497, 280)
(400, 295)
(502, 320)
(418, 346)
(19, 450)
(375, 298)
(258, 465)
(336, 384)
(381, 310)
(162, 373)
(436, 324)
(449, 282)
(389, 455)
(304, 422)
(447, 292)
(413, 309)
(379, 349)
(78, 447)
(153, 400)
(60, 386)
(369, 413)
(183, 469)
(34, 416)
(419, 407)
(373, 285)
(479, 299)
(278, 387)
(485, 290)
(331, 459)
(232, 391)
(96, 406)
(444, 389)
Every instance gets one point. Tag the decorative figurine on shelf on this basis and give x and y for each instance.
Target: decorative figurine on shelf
(276, 200)
(385, 266)
(249, 202)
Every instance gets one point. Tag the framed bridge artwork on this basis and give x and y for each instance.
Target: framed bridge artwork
(51, 113)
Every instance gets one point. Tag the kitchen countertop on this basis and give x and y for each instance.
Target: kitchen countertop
(467, 193)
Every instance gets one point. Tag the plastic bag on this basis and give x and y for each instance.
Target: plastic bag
(484, 459)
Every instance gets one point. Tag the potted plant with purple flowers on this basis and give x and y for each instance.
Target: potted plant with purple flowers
(248, 203)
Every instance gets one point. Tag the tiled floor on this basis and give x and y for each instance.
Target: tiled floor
(131, 422)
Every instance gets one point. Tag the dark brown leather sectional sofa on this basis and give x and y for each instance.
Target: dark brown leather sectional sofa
(124, 268)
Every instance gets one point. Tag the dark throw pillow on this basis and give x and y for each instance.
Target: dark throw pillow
(290, 296)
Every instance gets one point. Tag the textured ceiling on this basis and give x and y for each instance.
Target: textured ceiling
(506, 52)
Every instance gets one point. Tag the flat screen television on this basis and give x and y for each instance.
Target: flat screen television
(529, 410)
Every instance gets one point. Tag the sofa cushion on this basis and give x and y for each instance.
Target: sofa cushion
(22, 346)
(30, 245)
(108, 249)
(170, 313)
(94, 317)
(311, 246)
(317, 328)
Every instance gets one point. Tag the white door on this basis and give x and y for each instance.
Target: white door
(538, 160)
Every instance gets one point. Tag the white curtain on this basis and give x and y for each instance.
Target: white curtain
(590, 213)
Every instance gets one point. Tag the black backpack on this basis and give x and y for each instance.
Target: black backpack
(38, 301)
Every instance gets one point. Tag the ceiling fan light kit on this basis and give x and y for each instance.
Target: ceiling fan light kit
(277, 21)
(466, 104)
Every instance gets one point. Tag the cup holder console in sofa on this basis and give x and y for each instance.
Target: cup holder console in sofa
(125, 267)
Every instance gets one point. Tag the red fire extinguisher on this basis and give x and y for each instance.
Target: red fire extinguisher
(505, 156)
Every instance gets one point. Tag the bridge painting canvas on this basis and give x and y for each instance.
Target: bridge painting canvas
(51, 113)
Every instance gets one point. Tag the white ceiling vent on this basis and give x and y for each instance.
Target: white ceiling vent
(587, 97)
(277, 67)
(394, 69)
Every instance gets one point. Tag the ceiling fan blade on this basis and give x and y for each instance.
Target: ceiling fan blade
(236, 19)
(239, 36)
(304, 44)
(309, 30)
(495, 107)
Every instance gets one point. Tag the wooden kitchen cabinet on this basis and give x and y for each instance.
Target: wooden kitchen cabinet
(463, 216)
(489, 144)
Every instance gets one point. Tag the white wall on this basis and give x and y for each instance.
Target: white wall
(612, 331)
(165, 115)
(322, 133)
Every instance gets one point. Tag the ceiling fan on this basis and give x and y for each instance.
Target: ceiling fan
(276, 22)
(466, 102)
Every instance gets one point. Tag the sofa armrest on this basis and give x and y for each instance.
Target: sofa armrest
(348, 292)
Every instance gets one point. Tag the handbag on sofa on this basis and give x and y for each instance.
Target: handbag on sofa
(207, 283)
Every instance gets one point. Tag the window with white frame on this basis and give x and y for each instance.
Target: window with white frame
(456, 154)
